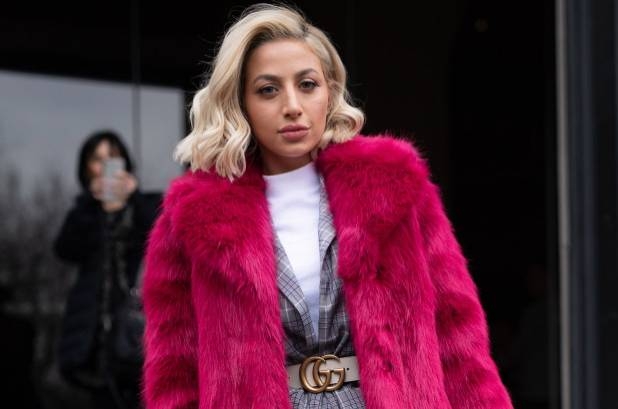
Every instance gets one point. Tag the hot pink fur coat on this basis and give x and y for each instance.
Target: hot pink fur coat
(214, 337)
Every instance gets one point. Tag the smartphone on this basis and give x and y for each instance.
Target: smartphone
(110, 167)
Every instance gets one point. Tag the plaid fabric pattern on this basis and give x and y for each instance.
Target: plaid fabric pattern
(333, 327)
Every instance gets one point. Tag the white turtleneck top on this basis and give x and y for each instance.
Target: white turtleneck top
(294, 204)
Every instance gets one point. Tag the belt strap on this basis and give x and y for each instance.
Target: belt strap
(320, 369)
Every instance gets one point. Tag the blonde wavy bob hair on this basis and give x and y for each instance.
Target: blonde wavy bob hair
(221, 135)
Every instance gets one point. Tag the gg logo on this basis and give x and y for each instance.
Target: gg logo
(321, 377)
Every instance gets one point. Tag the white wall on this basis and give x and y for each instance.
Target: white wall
(45, 119)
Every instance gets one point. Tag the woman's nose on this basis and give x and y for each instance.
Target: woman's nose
(292, 107)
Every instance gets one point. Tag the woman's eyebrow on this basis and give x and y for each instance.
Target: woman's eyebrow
(306, 71)
(266, 77)
(275, 78)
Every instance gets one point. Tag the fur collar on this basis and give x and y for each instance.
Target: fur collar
(372, 184)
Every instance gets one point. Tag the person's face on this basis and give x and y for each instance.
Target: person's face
(286, 102)
(102, 152)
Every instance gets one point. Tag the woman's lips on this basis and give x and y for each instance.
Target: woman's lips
(294, 132)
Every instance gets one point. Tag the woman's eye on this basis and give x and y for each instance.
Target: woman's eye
(308, 85)
(267, 90)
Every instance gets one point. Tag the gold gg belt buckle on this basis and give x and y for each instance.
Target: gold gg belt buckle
(316, 374)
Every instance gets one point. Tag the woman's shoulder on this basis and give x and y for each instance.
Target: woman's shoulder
(375, 154)
(195, 191)
(189, 184)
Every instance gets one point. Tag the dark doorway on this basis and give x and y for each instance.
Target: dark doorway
(504, 185)
(473, 83)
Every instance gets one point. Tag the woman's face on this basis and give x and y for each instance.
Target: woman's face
(286, 102)
(102, 152)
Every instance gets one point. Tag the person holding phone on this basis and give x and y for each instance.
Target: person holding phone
(104, 234)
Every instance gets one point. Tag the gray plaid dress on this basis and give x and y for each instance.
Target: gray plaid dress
(333, 335)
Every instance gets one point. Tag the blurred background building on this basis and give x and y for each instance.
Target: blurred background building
(513, 103)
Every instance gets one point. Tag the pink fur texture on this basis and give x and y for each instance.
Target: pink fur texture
(214, 337)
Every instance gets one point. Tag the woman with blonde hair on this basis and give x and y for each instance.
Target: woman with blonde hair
(299, 264)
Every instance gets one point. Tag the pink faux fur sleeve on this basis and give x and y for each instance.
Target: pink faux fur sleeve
(170, 372)
(470, 375)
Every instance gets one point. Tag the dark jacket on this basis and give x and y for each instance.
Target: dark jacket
(82, 241)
